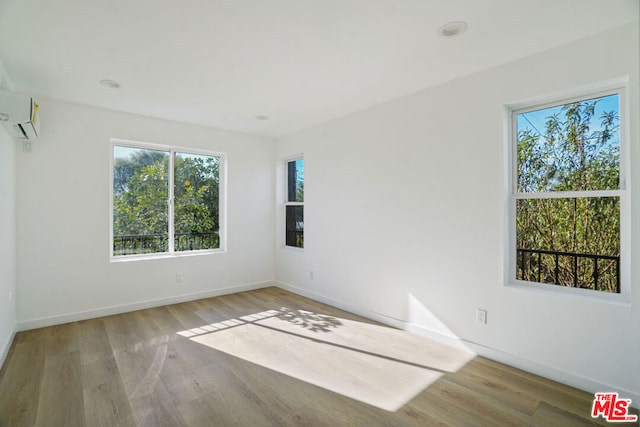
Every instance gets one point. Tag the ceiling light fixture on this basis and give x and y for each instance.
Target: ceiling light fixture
(111, 84)
(452, 29)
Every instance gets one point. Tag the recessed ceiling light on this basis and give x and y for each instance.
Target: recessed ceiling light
(453, 29)
(111, 84)
(262, 117)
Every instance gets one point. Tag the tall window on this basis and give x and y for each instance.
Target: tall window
(567, 194)
(294, 206)
(165, 201)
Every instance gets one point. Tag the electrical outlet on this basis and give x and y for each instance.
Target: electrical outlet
(311, 275)
(481, 316)
(178, 278)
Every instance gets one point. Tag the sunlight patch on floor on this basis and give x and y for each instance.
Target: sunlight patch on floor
(381, 366)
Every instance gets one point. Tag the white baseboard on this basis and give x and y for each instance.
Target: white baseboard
(6, 346)
(562, 376)
(569, 378)
(42, 322)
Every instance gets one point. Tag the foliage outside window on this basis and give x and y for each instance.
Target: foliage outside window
(164, 201)
(567, 194)
(294, 206)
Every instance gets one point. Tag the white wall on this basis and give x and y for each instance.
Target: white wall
(405, 220)
(7, 233)
(63, 264)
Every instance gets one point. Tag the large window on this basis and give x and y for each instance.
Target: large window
(165, 201)
(567, 194)
(294, 206)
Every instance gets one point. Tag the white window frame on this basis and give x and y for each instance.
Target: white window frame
(171, 150)
(615, 87)
(287, 202)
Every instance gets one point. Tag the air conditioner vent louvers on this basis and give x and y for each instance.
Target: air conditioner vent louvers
(19, 115)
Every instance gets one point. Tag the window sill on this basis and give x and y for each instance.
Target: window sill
(620, 299)
(166, 255)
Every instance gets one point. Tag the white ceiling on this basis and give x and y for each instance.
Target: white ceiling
(221, 63)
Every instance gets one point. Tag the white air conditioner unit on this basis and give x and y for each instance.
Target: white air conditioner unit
(19, 115)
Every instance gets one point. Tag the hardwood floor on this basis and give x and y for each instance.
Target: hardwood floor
(264, 358)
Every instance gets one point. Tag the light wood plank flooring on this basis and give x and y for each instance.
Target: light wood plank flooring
(264, 358)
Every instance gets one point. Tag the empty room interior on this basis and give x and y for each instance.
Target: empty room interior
(319, 212)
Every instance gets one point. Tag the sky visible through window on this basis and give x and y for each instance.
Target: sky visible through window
(123, 152)
(299, 175)
(120, 152)
(536, 120)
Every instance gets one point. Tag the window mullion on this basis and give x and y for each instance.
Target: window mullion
(171, 203)
(569, 194)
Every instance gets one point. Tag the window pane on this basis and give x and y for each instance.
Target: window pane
(295, 181)
(569, 242)
(570, 147)
(196, 206)
(140, 194)
(295, 226)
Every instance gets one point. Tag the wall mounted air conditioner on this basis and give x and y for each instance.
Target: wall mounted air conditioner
(19, 115)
